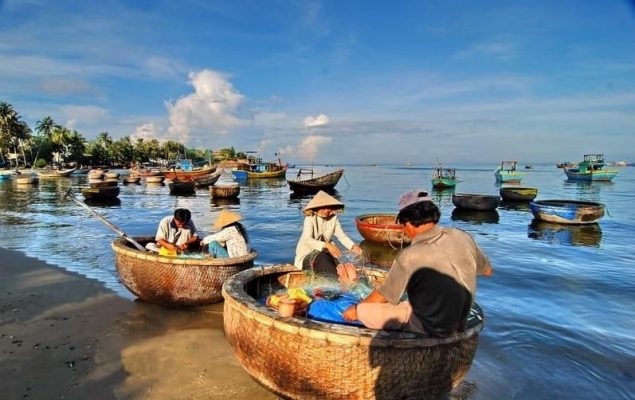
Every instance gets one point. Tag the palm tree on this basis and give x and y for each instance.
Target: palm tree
(45, 126)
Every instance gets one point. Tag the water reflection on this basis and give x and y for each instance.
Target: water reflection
(103, 203)
(475, 217)
(442, 197)
(586, 190)
(377, 254)
(263, 183)
(225, 202)
(515, 206)
(566, 234)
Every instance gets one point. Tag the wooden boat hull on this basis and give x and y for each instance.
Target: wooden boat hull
(298, 358)
(518, 193)
(207, 180)
(603, 175)
(477, 202)
(182, 187)
(132, 179)
(326, 182)
(225, 192)
(54, 173)
(154, 178)
(567, 211)
(442, 183)
(267, 175)
(185, 175)
(175, 281)
(381, 229)
(100, 193)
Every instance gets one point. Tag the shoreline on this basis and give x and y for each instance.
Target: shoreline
(65, 336)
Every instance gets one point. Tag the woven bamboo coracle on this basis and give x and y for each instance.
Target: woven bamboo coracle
(174, 281)
(228, 191)
(299, 358)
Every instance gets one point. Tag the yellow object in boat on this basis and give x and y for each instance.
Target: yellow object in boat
(299, 293)
(166, 252)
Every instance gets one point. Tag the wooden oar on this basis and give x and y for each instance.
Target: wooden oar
(112, 226)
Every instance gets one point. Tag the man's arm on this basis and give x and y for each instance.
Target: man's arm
(350, 314)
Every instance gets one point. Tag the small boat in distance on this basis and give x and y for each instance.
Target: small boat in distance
(507, 172)
(100, 193)
(567, 211)
(591, 169)
(565, 164)
(511, 193)
(54, 173)
(476, 202)
(325, 182)
(443, 178)
(255, 168)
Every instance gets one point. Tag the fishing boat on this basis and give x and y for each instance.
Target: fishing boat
(174, 281)
(443, 178)
(591, 170)
(131, 179)
(100, 193)
(477, 202)
(567, 211)
(154, 178)
(204, 181)
(186, 170)
(182, 187)
(255, 168)
(325, 182)
(102, 183)
(511, 193)
(54, 173)
(299, 358)
(381, 229)
(507, 172)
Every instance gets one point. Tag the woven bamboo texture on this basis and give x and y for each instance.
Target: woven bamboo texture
(299, 358)
(381, 229)
(225, 191)
(175, 281)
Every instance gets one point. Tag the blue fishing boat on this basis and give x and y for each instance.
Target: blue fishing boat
(508, 172)
(591, 169)
(567, 211)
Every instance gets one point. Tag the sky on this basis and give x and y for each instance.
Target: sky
(337, 82)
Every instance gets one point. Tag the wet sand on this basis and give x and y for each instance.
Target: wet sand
(63, 336)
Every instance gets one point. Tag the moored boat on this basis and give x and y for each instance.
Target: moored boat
(154, 178)
(179, 187)
(507, 172)
(325, 182)
(54, 173)
(339, 361)
(100, 193)
(567, 211)
(444, 178)
(174, 281)
(591, 170)
(511, 193)
(226, 191)
(131, 179)
(204, 181)
(478, 202)
(381, 229)
(188, 171)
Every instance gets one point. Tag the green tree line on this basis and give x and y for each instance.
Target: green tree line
(52, 143)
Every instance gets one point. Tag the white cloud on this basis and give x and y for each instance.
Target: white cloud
(84, 115)
(212, 108)
(308, 147)
(314, 122)
(148, 130)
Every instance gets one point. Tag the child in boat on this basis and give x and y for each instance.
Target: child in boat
(231, 240)
(315, 250)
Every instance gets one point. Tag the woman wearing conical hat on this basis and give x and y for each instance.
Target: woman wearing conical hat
(231, 240)
(315, 250)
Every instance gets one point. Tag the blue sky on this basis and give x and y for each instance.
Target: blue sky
(333, 81)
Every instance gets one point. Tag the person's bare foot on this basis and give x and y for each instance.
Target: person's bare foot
(347, 274)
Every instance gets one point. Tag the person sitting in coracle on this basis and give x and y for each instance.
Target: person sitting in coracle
(315, 250)
(175, 234)
(231, 240)
(437, 271)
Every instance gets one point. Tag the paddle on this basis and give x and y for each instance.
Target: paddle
(69, 194)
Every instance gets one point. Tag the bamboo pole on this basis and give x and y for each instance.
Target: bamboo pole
(69, 194)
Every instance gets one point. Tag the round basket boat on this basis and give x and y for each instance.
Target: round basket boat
(381, 229)
(477, 202)
(225, 191)
(299, 358)
(154, 178)
(521, 194)
(567, 211)
(174, 281)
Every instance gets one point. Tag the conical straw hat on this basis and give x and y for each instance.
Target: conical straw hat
(323, 199)
(225, 218)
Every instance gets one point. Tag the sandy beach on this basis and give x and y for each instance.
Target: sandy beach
(63, 336)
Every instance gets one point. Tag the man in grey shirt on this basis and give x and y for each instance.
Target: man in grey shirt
(437, 271)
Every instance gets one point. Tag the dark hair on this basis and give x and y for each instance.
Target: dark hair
(241, 230)
(183, 215)
(419, 213)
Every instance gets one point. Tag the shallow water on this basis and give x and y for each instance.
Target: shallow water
(560, 308)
